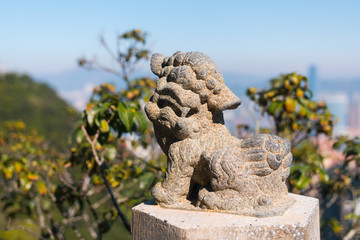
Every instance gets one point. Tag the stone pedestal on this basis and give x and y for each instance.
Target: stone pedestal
(300, 221)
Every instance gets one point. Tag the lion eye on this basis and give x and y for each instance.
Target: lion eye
(191, 112)
(161, 103)
(166, 103)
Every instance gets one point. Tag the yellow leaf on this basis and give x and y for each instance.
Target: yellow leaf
(302, 111)
(114, 183)
(41, 187)
(290, 105)
(9, 172)
(327, 128)
(89, 106)
(313, 116)
(129, 95)
(312, 106)
(68, 164)
(252, 90)
(270, 94)
(96, 180)
(18, 167)
(33, 176)
(110, 87)
(299, 93)
(104, 126)
(321, 104)
(287, 84)
(295, 79)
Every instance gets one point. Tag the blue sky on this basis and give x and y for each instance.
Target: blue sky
(261, 38)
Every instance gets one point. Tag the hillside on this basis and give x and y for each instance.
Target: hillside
(38, 106)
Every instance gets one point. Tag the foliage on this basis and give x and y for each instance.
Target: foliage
(305, 123)
(38, 106)
(295, 115)
(84, 195)
(103, 151)
(28, 180)
(347, 181)
(46, 196)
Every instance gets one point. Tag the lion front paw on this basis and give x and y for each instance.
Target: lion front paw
(207, 199)
(163, 196)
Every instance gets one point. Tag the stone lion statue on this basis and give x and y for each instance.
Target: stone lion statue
(207, 168)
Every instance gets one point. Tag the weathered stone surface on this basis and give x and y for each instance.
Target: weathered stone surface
(207, 168)
(300, 221)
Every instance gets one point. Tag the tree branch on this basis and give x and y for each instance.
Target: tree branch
(120, 213)
(101, 164)
(92, 145)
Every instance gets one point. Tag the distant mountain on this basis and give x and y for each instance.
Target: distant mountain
(76, 86)
(38, 106)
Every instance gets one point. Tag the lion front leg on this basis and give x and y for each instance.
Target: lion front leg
(175, 187)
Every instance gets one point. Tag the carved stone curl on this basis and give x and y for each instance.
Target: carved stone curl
(207, 168)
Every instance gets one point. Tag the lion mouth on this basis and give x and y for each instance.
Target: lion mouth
(165, 117)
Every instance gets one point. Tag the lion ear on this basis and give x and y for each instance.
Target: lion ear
(224, 100)
(156, 63)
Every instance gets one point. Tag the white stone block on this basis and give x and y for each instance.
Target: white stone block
(152, 222)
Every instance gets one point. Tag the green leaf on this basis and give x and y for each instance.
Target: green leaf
(324, 176)
(104, 107)
(303, 182)
(104, 126)
(110, 153)
(352, 216)
(79, 136)
(91, 116)
(126, 116)
(295, 168)
(274, 107)
(25, 183)
(140, 121)
(146, 180)
(335, 225)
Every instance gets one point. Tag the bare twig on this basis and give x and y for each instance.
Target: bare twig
(65, 182)
(351, 234)
(41, 215)
(90, 226)
(100, 202)
(92, 145)
(100, 162)
(97, 219)
(332, 201)
(107, 48)
(94, 190)
(86, 181)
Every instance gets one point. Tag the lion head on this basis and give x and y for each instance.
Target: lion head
(189, 96)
